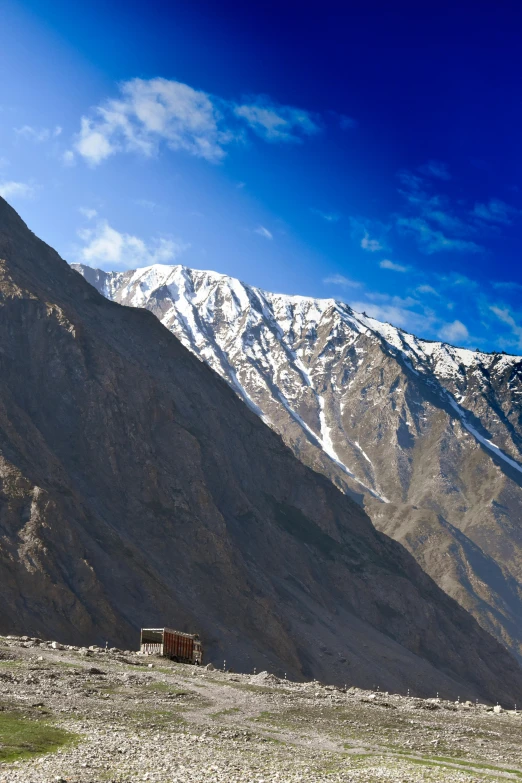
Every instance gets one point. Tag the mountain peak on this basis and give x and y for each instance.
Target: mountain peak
(137, 490)
(426, 435)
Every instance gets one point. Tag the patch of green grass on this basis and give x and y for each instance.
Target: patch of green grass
(63, 664)
(273, 740)
(359, 755)
(266, 717)
(442, 765)
(165, 687)
(476, 765)
(230, 711)
(245, 686)
(22, 737)
(150, 719)
(440, 761)
(172, 669)
(104, 689)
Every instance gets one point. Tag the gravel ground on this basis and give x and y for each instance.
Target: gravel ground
(140, 718)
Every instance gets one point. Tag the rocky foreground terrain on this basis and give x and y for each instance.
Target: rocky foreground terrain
(427, 436)
(91, 716)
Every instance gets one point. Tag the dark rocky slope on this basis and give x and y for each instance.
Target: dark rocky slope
(136, 488)
(428, 437)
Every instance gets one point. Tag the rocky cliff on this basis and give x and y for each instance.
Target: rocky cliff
(136, 488)
(427, 436)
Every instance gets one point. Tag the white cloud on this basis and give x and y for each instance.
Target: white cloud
(432, 207)
(154, 111)
(68, 158)
(38, 135)
(455, 279)
(427, 289)
(368, 233)
(105, 246)
(495, 211)
(435, 226)
(88, 213)
(397, 301)
(342, 281)
(508, 286)
(454, 332)
(330, 217)
(437, 169)
(277, 123)
(505, 315)
(9, 190)
(264, 232)
(387, 264)
(146, 204)
(431, 240)
(447, 221)
(372, 245)
(396, 315)
(93, 143)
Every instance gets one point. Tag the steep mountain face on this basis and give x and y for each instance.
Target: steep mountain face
(427, 436)
(136, 488)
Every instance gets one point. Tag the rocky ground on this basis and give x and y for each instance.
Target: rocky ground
(117, 716)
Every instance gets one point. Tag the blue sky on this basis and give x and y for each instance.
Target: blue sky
(341, 150)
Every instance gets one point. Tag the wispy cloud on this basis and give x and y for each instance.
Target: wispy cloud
(341, 280)
(432, 207)
(454, 332)
(87, 213)
(38, 135)
(507, 286)
(105, 246)
(330, 217)
(264, 232)
(9, 190)
(146, 204)
(368, 233)
(436, 169)
(158, 111)
(276, 123)
(431, 240)
(505, 315)
(456, 280)
(427, 289)
(396, 314)
(68, 158)
(371, 244)
(496, 211)
(387, 264)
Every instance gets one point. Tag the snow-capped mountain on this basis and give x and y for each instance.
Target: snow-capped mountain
(426, 435)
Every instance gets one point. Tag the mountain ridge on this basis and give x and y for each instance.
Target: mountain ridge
(393, 420)
(137, 489)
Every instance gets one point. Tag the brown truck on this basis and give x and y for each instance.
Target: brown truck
(176, 645)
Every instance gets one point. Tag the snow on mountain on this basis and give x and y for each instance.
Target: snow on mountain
(428, 436)
(264, 343)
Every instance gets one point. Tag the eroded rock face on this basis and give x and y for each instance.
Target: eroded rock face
(433, 430)
(137, 489)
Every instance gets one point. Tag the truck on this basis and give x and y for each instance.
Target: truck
(176, 645)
